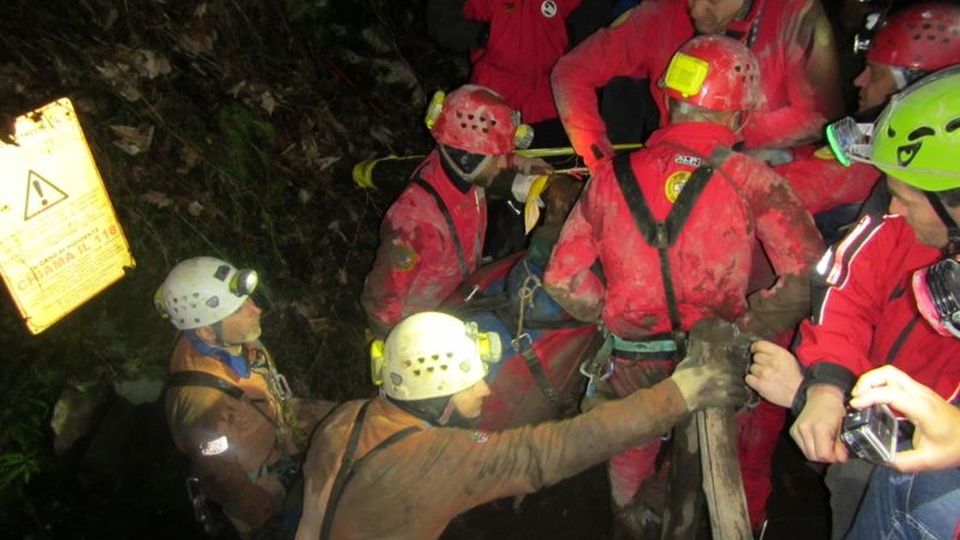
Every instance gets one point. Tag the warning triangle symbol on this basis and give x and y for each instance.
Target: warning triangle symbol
(41, 195)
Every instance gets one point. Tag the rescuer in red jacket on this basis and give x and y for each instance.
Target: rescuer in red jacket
(865, 312)
(432, 236)
(792, 39)
(911, 43)
(703, 208)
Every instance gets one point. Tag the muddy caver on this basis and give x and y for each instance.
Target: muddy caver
(401, 466)
(792, 38)
(227, 406)
(432, 236)
(673, 227)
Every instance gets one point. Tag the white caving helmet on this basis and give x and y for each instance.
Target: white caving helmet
(202, 291)
(431, 355)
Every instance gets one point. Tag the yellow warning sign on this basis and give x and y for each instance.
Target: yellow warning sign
(60, 241)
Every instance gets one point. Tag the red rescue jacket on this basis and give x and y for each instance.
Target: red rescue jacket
(865, 313)
(710, 261)
(823, 183)
(527, 37)
(641, 43)
(417, 264)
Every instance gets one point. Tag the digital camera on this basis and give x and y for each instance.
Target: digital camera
(871, 433)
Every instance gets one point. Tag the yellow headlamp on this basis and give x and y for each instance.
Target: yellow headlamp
(377, 361)
(686, 74)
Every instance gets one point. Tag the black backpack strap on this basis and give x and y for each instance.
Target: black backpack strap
(448, 217)
(208, 380)
(524, 344)
(663, 234)
(349, 465)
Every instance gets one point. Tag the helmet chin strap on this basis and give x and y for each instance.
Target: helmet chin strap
(953, 230)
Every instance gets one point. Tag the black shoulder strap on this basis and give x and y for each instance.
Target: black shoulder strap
(201, 378)
(349, 465)
(418, 180)
(663, 234)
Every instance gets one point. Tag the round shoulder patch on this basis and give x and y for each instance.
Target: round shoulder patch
(548, 9)
(402, 257)
(674, 185)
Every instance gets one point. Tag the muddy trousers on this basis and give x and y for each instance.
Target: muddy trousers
(759, 429)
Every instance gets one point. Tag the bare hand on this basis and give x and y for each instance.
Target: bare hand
(817, 428)
(774, 373)
(936, 439)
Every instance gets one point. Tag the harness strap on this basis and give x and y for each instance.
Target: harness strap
(349, 465)
(208, 380)
(531, 359)
(448, 217)
(663, 234)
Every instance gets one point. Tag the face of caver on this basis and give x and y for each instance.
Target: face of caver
(913, 205)
(241, 326)
(876, 85)
(713, 16)
(469, 402)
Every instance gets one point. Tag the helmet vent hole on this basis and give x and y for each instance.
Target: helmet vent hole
(407, 363)
(470, 116)
(443, 367)
(435, 357)
(485, 130)
(416, 373)
(449, 355)
(927, 26)
(459, 114)
(493, 122)
(737, 68)
(421, 360)
(463, 125)
(430, 369)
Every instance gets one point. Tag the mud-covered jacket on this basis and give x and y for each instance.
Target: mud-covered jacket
(710, 261)
(231, 442)
(412, 488)
(418, 263)
(823, 183)
(791, 38)
(865, 314)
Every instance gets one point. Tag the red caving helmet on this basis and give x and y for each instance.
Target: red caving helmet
(477, 120)
(924, 37)
(717, 73)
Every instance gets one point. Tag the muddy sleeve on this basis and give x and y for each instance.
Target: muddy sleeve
(448, 25)
(791, 241)
(823, 183)
(812, 78)
(406, 252)
(525, 460)
(570, 277)
(578, 75)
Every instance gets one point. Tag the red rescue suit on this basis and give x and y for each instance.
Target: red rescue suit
(791, 38)
(710, 264)
(865, 314)
(823, 183)
(527, 37)
(418, 263)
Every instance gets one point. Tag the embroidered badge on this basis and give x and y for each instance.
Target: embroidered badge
(674, 185)
(689, 161)
(402, 257)
(479, 437)
(548, 8)
(824, 152)
(214, 447)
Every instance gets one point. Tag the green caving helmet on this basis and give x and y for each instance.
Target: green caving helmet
(917, 137)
